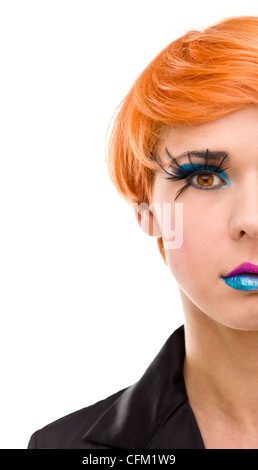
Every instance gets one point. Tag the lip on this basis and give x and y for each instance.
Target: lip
(244, 268)
(244, 277)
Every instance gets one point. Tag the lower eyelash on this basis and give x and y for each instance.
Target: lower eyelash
(182, 190)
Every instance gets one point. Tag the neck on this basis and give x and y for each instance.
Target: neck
(221, 369)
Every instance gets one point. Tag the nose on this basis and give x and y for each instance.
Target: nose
(244, 219)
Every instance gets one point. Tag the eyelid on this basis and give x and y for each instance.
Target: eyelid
(185, 170)
(199, 168)
(194, 167)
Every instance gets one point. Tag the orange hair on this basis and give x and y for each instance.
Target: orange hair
(199, 77)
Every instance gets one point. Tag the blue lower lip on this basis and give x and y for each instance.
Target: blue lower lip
(242, 282)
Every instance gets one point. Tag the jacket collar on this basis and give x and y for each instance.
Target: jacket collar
(142, 410)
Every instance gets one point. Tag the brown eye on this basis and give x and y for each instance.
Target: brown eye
(206, 180)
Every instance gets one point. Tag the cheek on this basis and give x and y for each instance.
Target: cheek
(196, 256)
(183, 261)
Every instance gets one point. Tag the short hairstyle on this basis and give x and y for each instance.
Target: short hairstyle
(199, 77)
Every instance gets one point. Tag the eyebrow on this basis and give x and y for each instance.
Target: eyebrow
(214, 156)
(207, 155)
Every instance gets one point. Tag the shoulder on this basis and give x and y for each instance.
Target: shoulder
(68, 432)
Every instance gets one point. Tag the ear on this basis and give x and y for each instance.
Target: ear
(147, 219)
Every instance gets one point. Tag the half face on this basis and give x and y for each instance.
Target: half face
(217, 182)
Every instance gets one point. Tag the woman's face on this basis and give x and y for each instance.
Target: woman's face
(220, 214)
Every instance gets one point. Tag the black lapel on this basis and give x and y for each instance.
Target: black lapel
(154, 412)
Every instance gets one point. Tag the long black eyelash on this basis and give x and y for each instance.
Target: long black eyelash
(180, 173)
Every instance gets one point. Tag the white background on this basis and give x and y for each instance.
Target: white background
(86, 300)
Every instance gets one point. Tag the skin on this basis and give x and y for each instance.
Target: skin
(220, 229)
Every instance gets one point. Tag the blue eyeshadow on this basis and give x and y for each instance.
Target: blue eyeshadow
(191, 168)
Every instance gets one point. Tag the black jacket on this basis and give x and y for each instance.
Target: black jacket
(154, 413)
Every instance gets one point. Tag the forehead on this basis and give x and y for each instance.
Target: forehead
(232, 131)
